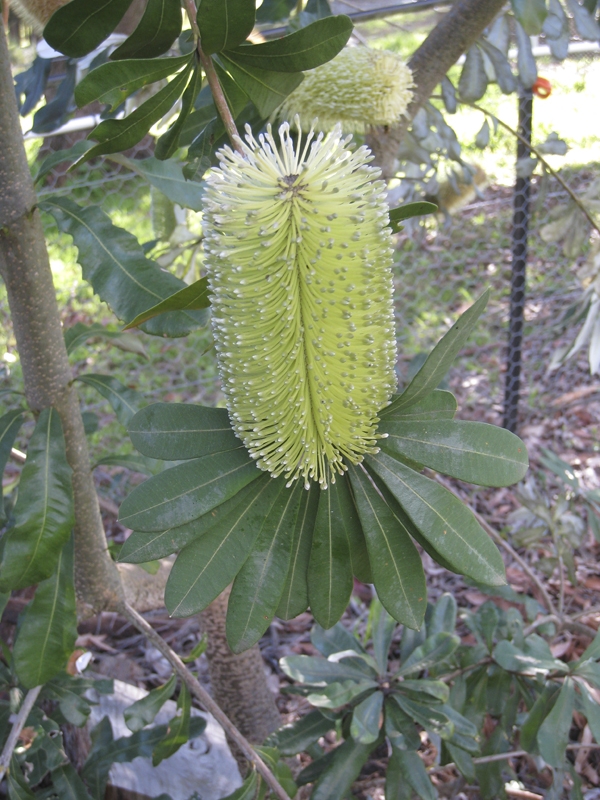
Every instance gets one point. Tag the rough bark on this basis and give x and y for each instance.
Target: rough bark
(238, 681)
(450, 38)
(25, 268)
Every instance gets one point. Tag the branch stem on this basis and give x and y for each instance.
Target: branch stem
(202, 695)
(219, 98)
(19, 722)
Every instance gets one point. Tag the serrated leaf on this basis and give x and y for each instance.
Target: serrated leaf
(125, 402)
(366, 719)
(187, 491)
(470, 451)
(48, 629)
(191, 298)
(113, 82)
(114, 263)
(178, 728)
(265, 88)
(114, 135)
(79, 27)
(343, 768)
(144, 546)
(305, 49)
(259, 584)
(434, 650)
(10, 424)
(408, 764)
(144, 710)
(443, 520)
(294, 599)
(439, 361)
(553, 735)
(395, 563)
(473, 80)
(329, 574)
(438, 404)
(298, 736)
(209, 564)
(224, 24)
(43, 514)
(418, 209)
(180, 431)
(158, 28)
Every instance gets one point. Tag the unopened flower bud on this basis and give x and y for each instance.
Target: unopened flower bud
(299, 261)
(357, 88)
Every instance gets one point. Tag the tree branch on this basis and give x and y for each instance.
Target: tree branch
(457, 31)
(19, 722)
(202, 695)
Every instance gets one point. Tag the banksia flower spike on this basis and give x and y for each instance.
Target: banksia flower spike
(299, 260)
(357, 88)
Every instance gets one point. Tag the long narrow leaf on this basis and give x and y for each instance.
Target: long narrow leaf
(124, 401)
(294, 599)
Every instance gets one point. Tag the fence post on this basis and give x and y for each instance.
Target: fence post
(518, 273)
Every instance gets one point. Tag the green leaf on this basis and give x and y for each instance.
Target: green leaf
(224, 24)
(329, 574)
(395, 563)
(435, 689)
(209, 564)
(68, 784)
(113, 82)
(437, 405)
(470, 451)
(125, 402)
(298, 736)
(473, 79)
(443, 520)
(158, 28)
(167, 144)
(408, 764)
(463, 761)
(320, 671)
(178, 731)
(9, 427)
(305, 49)
(60, 156)
(259, 584)
(17, 785)
(187, 491)
(294, 599)
(180, 431)
(48, 630)
(591, 709)
(440, 359)
(382, 626)
(342, 770)
(114, 263)
(531, 14)
(525, 662)
(265, 88)
(114, 135)
(399, 728)
(192, 298)
(136, 463)
(553, 735)
(43, 514)
(143, 711)
(429, 717)
(537, 714)
(144, 546)
(366, 719)
(443, 617)
(502, 68)
(433, 651)
(167, 176)
(335, 640)
(79, 333)
(419, 209)
(335, 695)
(352, 529)
(247, 790)
(80, 26)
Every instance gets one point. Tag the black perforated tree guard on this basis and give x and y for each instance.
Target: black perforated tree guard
(518, 275)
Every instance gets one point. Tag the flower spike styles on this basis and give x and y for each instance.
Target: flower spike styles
(357, 88)
(299, 257)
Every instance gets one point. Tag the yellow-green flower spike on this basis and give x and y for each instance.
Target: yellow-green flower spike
(299, 257)
(357, 88)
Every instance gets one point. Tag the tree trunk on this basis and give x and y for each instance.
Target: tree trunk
(238, 681)
(458, 30)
